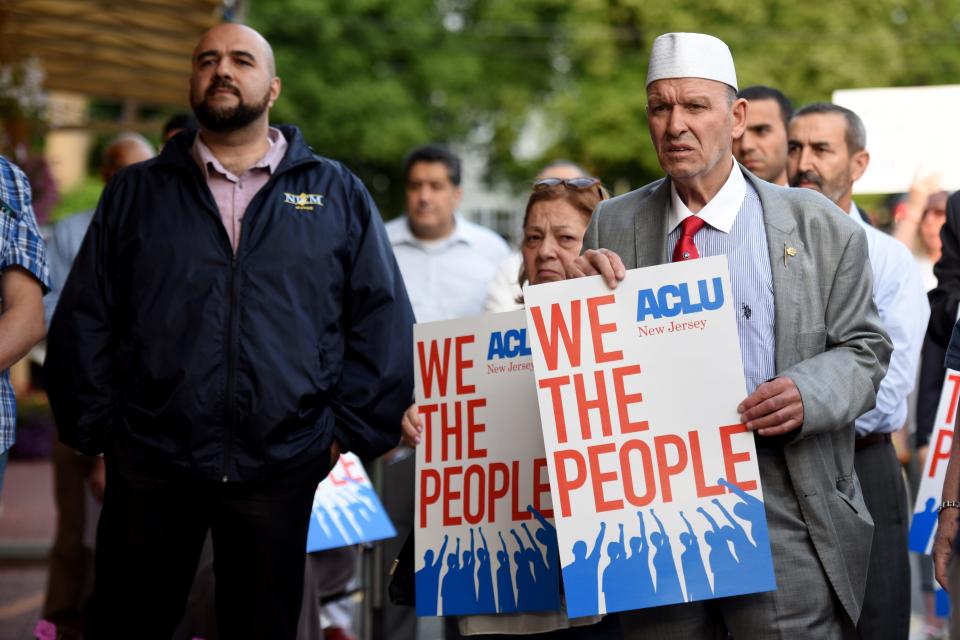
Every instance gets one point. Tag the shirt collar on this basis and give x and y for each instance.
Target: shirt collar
(722, 209)
(461, 234)
(270, 160)
(856, 214)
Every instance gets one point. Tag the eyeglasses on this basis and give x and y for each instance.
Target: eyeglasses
(580, 184)
(577, 184)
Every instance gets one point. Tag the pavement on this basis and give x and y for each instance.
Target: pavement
(27, 524)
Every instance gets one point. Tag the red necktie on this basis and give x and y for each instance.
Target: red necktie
(685, 249)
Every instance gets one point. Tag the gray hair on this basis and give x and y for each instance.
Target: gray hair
(856, 134)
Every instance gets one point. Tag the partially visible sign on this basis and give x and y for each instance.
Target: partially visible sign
(346, 509)
(924, 523)
(485, 541)
(910, 131)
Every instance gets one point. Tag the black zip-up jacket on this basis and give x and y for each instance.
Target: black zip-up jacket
(167, 348)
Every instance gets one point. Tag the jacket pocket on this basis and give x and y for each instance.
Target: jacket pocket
(329, 361)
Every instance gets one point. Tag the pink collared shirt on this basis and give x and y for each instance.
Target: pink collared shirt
(234, 193)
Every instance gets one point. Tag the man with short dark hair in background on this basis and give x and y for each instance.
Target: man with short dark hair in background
(763, 146)
(233, 320)
(446, 260)
(827, 151)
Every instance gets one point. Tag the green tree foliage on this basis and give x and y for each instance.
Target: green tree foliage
(368, 79)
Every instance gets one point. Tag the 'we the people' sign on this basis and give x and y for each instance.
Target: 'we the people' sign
(654, 480)
(924, 523)
(346, 509)
(485, 541)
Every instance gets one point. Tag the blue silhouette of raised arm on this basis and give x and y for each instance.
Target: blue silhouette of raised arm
(443, 549)
(743, 495)
(543, 521)
(598, 544)
(503, 543)
(736, 525)
(663, 532)
(533, 541)
(622, 545)
(458, 549)
(643, 527)
(483, 539)
(473, 545)
(689, 526)
(513, 532)
(713, 523)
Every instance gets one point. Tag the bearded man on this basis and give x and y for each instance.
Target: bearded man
(234, 318)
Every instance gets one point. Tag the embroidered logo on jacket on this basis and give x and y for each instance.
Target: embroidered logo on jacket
(303, 201)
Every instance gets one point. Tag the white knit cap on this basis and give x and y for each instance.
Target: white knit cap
(691, 55)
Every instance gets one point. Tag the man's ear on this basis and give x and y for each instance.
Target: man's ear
(274, 90)
(858, 164)
(739, 112)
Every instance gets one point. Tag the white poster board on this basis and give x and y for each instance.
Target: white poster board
(924, 523)
(346, 509)
(910, 131)
(655, 482)
(485, 541)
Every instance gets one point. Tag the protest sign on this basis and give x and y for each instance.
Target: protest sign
(346, 509)
(910, 131)
(924, 523)
(485, 541)
(654, 480)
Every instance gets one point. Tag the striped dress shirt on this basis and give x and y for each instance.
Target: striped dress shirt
(735, 229)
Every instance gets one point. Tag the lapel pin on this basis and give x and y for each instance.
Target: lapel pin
(788, 252)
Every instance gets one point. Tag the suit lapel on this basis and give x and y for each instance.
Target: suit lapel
(786, 262)
(650, 236)
(650, 227)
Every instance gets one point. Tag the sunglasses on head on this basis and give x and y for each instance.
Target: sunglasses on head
(580, 184)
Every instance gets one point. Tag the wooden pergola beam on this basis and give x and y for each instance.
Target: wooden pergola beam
(115, 49)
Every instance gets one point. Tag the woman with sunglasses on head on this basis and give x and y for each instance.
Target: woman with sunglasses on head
(557, 213)
(504, 292)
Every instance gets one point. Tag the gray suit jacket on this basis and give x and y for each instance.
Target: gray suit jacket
(829, 342)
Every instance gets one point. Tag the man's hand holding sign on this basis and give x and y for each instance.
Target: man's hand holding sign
(615, 375)
(773, 409)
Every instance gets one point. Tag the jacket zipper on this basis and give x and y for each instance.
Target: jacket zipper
(230, 405)
(230, 409)
(233, 329)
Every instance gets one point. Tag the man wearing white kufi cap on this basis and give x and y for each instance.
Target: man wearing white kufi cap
(812, 346)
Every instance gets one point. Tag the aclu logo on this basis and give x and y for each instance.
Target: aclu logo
(678, 299)
(508, 344)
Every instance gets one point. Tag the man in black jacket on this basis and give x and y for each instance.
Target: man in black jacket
(234, 318)
(943, 299)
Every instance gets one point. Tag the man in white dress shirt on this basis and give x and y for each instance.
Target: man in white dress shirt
(446, 260)
(827, 152)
